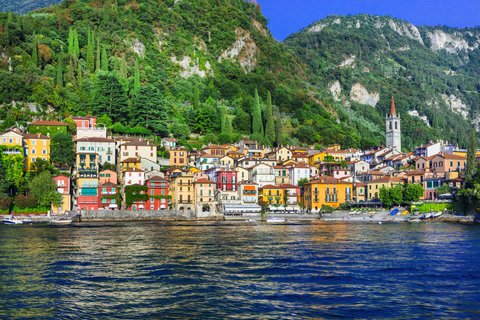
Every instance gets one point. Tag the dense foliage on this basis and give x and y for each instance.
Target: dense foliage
(162, 66)
(385, 56)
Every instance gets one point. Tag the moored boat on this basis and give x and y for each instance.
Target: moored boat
(61, 222)
(276, 220)
(12, 221)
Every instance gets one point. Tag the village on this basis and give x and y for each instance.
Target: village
(241, 179)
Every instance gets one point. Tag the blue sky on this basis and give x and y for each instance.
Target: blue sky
(288, 16)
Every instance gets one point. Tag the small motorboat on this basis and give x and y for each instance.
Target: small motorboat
(61, 222)
(12, 221)
(276, 220)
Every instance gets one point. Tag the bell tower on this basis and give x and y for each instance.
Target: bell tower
(393, 131)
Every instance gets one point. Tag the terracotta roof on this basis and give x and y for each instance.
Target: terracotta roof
(83, 117)
(170, 139)
(156, 178)
(416, 173)
(393, 111)
(270, 186)
(49, 123)
(450, 156)
(134, 170)
(107, 184)
(325, 179)
(386, 180)
(35, 136)
(131, 160)
(138, 143)
(204, 181)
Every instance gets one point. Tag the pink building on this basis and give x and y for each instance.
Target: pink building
(107, 176)
(63, 187)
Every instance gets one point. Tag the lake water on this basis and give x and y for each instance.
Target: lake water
(331, 270)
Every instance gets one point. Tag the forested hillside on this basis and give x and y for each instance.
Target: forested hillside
(360, 61)
(196, 66)
(176, 67)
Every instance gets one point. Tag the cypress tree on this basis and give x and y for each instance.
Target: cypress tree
(136, 81)
(97, 63)
(269, 122)
(76, 45)
(104, 62)
(123, 71)
(90, 52)
(70, 42)
(257, 127)
(471, 157)
(223, 119)
(79, 74)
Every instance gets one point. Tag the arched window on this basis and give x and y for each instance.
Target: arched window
(390, 125)
(396, 125)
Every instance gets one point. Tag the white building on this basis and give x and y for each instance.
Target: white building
(297, 172)
(262, 174)
(103, 146)
(134, 176)
(139, 149)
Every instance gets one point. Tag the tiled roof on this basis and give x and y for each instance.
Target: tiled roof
(35, 136)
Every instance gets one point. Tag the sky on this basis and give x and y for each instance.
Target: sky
(289, 16)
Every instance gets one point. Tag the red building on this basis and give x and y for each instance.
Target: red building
(87, 202)
(63, 187)
(226, 180)
(107, 196)
(157, 193)
(85, 122)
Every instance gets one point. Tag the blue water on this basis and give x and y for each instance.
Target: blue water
(331, 271)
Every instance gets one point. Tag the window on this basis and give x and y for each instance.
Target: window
(33, 151)
(34, 142)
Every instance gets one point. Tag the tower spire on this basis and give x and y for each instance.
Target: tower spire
(393, 111)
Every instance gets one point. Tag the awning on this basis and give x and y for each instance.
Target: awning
(113, 206)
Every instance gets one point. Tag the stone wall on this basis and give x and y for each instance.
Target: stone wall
(123, 215)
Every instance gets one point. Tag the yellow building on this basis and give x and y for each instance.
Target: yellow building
(11, 138)
(131, 163)
(179, 157)
(374, 186)
(37, 146)
(271, 195)
(317, 157)
(182, 190)
(327, 191)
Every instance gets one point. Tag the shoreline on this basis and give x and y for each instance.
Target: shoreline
(278, 219)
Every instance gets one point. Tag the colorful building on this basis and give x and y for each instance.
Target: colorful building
(158, 198)
(36, 146)
(326, 191)
(64, 188)
(11, 138)
(179, 157)
(107, 196)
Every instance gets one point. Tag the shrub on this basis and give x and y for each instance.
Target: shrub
(22, 201)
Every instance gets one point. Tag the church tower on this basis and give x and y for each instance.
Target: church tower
(393, 132)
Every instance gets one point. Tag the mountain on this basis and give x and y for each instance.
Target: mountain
(361, 61)
(23, 6)
(172, 67)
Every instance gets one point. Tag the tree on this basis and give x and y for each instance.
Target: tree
(413, 192)
(136, 81)
(70, 42)
(180, 130)
(76, 45)
(391, 196)
(90, 51)
(269, 123)
(62, 152)
(104, 61)
(111, 98)
(257, 127)
(43, 189)
(302, 182)
(472, 164)
(149, 109)
(98, 61)
(41, 165)
(105, 120)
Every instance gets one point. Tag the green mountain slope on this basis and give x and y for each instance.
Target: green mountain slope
(169, 66)
(360, 61)
(23, 6)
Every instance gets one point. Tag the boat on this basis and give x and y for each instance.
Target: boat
(61, 222)
(276, 220)
(12, 221)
